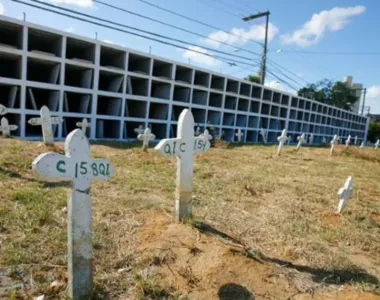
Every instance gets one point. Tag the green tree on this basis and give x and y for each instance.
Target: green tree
(373, 131)
(253, 78)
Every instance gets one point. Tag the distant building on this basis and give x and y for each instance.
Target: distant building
(357, 92)
(374, 117)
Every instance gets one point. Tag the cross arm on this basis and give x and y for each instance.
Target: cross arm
(35, 121)
(171, 147)
(201, 144)
(53, 167)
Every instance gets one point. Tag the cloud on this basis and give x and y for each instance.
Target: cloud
(373, 98)
(81, 3)
(199, 57)
(279, 86)
(313, 30)
(70, 29)
(373, 91)
(1, 8)
(241, 36)
(108, 41)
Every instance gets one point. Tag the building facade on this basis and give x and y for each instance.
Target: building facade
(118, 89)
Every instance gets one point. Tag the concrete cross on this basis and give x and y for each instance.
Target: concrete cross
(281, 141)
(264, 135)
(289, 139)
(356, 140)
(239, 135)
(301, 140)
(348, 141)
(184, 146)
(362, 145)
(5, 128)
(3, 110)
(206, 135)
(83, 125)
(311, 139)
(76, 166)
(197, 131)
(377, 144)
(146, 137)
(139, 130)
(46, 121)
(344, 194)
(334, 142)
(324, 141)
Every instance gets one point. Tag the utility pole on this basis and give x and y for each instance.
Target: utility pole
(363, 104)
(264, 56)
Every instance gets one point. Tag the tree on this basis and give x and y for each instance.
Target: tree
(373, 131)
(253, 78)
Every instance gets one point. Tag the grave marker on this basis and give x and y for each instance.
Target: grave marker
(5, 128)
(184, 146)
(145, 138)
(83, 125)
(344, 194)
(348, 141)
(197, 131)
(264, 135)
(139, 130)
(239, 134)
(3, 110)
(289, 139)
(46, 121)
(311, 139)
(324, 141)
(281, 141)
(76, 166)
(377, 144)
(356, 140)
(206, 135)
(301, 140)
(362, 145)
(334, 142)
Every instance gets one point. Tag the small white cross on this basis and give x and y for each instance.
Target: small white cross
(377, 144)
(324, 141)
(264, 135)
(197, 131)
(146, 137)
(311, 139)
(344, 194)
(239, 135)
(356, 140)
(362, 145)
(46, 121)
(184, 146)
(139, 130)
(83, 125)
(301, 140)
(334, 142)
(281, 141)
(289, 139)
(5, 128)
(76, 166)
(348, 141)
(206, 135)
(3, 110)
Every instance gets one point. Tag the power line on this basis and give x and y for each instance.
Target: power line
(197, 21)
(331, 53)
(295, 75)
(141, 30)
(286, 76)
(217, 57)
(282, 80)
(172, 26)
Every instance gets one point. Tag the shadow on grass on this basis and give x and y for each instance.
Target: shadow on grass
(230, 291)
(122, 145)
(319, 275)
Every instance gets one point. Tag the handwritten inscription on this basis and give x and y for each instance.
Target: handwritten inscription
(177, 147)
(84, 167)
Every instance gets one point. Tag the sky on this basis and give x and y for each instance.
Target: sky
(311, 39)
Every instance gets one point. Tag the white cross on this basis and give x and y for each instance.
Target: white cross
(5, 128)
(301, 140)
(377, 144)
(324, 141)
(184, 146)
(139, 130)
(146, 137)
(311, 139)
(206, 135)
(197, 131)
(344, 194)
(362, 145)
(348, 141)
(239, 134)
(289, 139)
(3, 110)
(281, 141)
(46, 121)
(264, 135)
(356, 140)
(76, 166)
(83, 125)
(334, 142)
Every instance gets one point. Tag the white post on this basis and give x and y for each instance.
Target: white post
(5, 128)
(83, 125)
(344, 194)
(76, 166)
(184, 146)
(146, 137)
(3, 110)
(377, 144)
(281, 141)
(239, 134)
(334, 142)
(263, 135)
(356, 140)
(311, 139)
(348, 141)
(362, 145)
(46, 121)
(301, 140)
(139, 130)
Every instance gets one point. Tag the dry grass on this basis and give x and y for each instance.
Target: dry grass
(279, 209)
